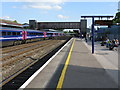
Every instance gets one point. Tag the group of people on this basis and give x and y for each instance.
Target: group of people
(112, 43)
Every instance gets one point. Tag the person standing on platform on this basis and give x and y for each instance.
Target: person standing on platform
(107, 43)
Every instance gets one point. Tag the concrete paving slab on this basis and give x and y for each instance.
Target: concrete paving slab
(109, 59)
(84, 71)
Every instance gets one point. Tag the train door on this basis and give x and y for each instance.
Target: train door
(44, 34)
(53, 34)
(24, 35)
(58, 34)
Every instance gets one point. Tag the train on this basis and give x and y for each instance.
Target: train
(15, 36)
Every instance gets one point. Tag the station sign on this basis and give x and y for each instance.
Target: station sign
(103, 22)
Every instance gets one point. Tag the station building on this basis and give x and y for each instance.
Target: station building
(112, 33)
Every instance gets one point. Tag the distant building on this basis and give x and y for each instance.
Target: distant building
(111, 33)
(82, 25)
(33, 24)
(58, 25)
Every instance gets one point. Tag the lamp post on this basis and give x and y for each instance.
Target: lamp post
(93, 35)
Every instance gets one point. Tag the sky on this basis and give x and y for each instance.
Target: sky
(70, 11)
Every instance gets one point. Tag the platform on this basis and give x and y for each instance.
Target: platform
(73, 67)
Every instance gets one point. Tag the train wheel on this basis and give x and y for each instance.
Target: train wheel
(15, 43)
(20, 42)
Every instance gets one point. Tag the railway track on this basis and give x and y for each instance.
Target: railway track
(18, 47)
(16, 59)
(27, 52)
(20, 51)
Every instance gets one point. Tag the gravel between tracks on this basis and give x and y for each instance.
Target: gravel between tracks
(9, 70)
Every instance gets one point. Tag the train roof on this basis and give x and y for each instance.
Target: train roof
(29, 30)
(8, 28)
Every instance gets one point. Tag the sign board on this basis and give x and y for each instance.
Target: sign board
(103, 22)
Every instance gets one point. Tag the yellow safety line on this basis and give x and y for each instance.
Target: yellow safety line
(61, 79)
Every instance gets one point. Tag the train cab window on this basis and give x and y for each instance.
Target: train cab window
(9, 33)
(18, 33)
(13, 33)
(3, 33)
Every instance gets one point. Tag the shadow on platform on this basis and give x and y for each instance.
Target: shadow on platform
(84, 77)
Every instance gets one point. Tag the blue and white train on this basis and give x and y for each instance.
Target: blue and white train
(15, 36)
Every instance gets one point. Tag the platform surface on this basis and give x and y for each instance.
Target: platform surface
(83, 70)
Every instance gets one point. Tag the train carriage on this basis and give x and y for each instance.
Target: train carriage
(9, 36)
(15, 36)
(34, 35)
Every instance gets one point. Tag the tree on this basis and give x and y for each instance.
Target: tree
(65, 32)
(15, 21)
(117, 18)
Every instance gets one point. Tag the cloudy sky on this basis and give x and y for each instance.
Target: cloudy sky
(55, 10)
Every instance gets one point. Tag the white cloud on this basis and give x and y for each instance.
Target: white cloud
(47, 7)
(24, 7)
(43, 5)
(59, 1)
(57, 7)
(5, 17)
(62, 17)
(52, 1)
(14, 7)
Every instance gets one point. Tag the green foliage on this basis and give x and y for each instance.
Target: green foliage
(15, 21)
(117, 18)
(71, 32)
(65, 32)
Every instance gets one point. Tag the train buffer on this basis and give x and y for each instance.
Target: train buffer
(73, 67)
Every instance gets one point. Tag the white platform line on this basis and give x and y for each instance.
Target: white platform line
(38, 71)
